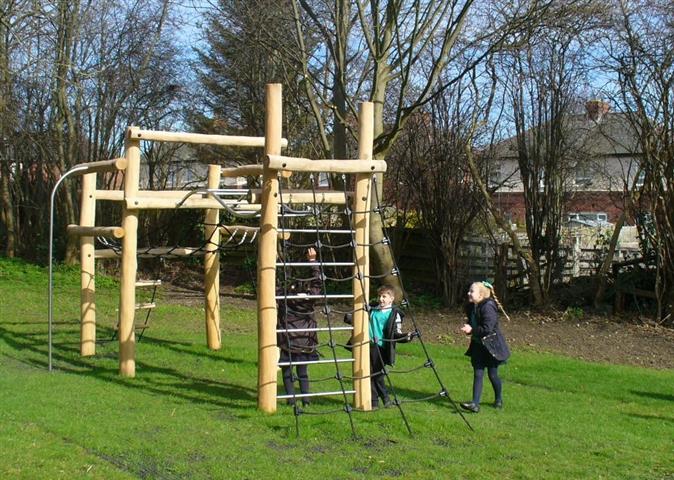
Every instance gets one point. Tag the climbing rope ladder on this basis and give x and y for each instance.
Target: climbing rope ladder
(316, 215)
(320, 234)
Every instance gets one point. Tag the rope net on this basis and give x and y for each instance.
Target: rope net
(328, 253)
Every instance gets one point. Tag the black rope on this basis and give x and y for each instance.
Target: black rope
(423, 399)
(287, 278)
(296, 410)
(361, 278)
(347, 407)
(416, 328)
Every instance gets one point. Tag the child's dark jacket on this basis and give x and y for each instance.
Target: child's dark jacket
(485, 319)
(298, 313)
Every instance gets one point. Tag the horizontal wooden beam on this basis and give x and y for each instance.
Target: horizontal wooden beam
(243, 171)
(303, 196)
(112, 195)
(109, 232)
(102, 166)
(200, 138)
(195, 201)
(295, 164)
(118, 195)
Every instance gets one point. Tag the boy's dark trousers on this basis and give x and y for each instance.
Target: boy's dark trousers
(377, 379)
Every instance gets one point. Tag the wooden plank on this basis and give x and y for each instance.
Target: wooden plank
(201, 138)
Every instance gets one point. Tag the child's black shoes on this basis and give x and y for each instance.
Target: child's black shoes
(471, 407)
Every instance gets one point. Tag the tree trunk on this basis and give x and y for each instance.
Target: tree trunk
(7, 212)
(532, 264)
(66, 144)
(602, 277)
(381, 257)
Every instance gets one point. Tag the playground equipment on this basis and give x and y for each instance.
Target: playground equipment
(269, 204)
(135, 200)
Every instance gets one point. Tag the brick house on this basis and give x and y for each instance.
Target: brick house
(604, 159)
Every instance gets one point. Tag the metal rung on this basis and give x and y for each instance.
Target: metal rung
(235, 192)
(148, 283)
(311, 264)
(136, 327)
(316, 362)
(309, 230)
(314, 297)
(319, 329)
(318, 394)
(145, 306)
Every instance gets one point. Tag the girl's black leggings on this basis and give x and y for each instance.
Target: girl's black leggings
(478, 380)
(289, 381)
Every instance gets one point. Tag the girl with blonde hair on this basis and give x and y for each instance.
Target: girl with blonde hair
(488, 348)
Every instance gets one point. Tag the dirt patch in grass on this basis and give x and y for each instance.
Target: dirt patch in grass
(593, 337)
(619, 340)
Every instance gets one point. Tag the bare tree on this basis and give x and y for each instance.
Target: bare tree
(16, 24)
(643, 61)
(398, 54)
(76, 74)
(429, 161)
(542, 98)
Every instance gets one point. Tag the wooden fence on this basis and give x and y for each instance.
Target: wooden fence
(479, 258)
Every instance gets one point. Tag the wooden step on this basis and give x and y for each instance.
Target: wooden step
(148, 283)
(145, 306)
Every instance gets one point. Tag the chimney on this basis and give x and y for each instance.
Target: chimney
(596, 109)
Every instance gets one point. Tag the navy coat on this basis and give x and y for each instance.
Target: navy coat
(486, 332)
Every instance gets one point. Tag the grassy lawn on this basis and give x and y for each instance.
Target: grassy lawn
(191, 412)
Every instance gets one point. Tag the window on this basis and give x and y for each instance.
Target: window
(641, 178)
(235, 182)
(495, 174)
(582, 175)
(587, 218)
(323, 180)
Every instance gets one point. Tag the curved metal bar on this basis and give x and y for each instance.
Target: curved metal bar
(79, 168)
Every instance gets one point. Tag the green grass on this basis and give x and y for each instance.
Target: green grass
(191, 412)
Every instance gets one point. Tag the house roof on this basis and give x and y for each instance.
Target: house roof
(611, 134)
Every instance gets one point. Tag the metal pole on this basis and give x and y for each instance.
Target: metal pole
(51, 249)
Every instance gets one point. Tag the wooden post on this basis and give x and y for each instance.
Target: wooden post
(576, 257)
(88, 268)
(266, 256)
(212, 266)
(127, 296)
(361, 288)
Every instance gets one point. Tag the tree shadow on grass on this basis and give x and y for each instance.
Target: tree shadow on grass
(657, 418)
(654, 395)
(171, 382)
(157, 379)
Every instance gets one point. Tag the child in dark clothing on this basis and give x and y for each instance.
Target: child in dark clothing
(385, 332)
(488, 348)
(299, 346)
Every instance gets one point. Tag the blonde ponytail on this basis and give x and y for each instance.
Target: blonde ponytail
(488, 286)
